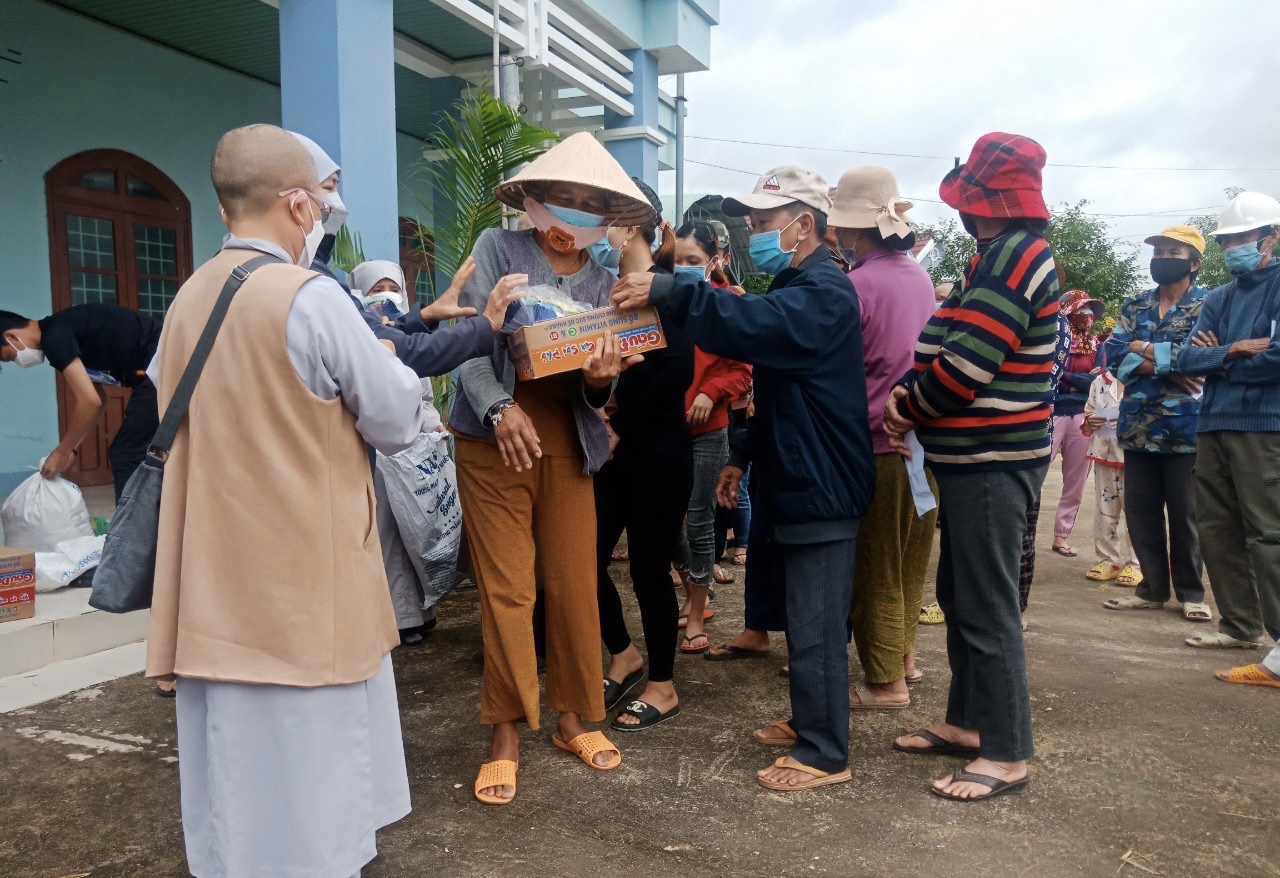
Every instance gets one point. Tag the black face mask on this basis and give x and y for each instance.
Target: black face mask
(1169, 269)
(970, 224)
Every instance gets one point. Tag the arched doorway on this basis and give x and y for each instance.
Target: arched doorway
(119, 234)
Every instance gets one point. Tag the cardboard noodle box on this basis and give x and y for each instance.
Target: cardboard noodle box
(564, 344)
(17, 584)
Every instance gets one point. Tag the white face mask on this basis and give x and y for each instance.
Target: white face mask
(27, 356)
(338, 213)
(310, 240)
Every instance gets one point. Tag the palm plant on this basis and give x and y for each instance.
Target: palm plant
(475, 146)
(478, 143)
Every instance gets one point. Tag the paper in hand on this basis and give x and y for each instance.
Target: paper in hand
(921, 494)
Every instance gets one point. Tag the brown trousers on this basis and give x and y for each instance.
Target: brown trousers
(889, 569)
(530, 529)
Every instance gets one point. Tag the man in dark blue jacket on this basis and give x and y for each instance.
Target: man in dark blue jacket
(809, 443)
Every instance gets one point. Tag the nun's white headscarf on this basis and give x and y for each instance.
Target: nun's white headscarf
(365, 275)
(325, 166)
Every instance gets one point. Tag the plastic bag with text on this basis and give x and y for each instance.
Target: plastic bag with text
(422, 488)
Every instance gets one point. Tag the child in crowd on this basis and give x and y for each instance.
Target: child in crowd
(1116, 560)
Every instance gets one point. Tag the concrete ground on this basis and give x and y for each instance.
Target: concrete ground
(1146, 765)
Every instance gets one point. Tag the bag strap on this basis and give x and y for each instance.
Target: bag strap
(177, 408)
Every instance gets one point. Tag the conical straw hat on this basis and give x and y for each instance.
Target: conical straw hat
(581, 159)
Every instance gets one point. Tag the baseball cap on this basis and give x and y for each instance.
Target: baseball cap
(779, 187)
(1188, 235)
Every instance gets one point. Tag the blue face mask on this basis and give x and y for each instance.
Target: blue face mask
(766, 251)
(1243, 258)
(607, 255)
(698, 271)
(573, 217)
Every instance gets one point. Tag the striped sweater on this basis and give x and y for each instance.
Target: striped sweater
(979, 390)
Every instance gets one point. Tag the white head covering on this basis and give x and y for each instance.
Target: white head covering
(325, 166)
(366, 274)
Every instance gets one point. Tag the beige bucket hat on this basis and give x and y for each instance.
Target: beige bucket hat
(868, 198)
(580, 159)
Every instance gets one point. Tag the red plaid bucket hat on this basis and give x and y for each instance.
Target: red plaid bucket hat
(1001, 179)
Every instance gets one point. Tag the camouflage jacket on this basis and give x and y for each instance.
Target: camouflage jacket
(1156, 414)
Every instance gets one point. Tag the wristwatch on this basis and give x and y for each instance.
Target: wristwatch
(497, 410)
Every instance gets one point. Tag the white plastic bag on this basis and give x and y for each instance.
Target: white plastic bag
(422, 488)
(40, 513)
(70, 560)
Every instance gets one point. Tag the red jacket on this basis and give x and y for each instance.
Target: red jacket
(723, 380)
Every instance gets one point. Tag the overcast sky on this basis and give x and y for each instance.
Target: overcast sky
(1124, 82)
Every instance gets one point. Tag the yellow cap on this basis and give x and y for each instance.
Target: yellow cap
(1188, 235)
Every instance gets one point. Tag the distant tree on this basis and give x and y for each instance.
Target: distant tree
(1092, 260)
(1213, 267)
(1082, 244)
(957, 249)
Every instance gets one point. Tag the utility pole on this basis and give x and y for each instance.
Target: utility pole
(680, 114)
(509, 93)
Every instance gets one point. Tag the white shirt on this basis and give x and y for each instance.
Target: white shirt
(334, 354)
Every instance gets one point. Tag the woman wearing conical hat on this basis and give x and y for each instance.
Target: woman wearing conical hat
(526, 453)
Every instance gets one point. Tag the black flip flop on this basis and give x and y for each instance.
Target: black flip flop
(940, 746)
(648, 715)
(1065, 551)
(735, 652)
(998, 787)
(614, 691)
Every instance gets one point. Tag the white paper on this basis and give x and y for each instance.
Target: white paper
(920, 492)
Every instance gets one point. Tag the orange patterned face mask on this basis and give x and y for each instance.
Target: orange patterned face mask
(562, 236)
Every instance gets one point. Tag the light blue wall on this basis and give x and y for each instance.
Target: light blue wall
(337, 78)
(82, 86)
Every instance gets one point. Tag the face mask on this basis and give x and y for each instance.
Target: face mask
(337, 214)
(766, 250)
(1243, 258)
(1169, 269)
(562, 233)
(848, 254)
(27, 356)
(607, 255)
(310, 242)
(698, 271)
(574, 217)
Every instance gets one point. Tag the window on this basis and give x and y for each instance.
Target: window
(417, 258)
(120, 232)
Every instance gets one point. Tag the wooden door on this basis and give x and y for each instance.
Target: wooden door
(119, 234)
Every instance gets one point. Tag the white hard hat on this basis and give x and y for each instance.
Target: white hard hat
(1248, 211)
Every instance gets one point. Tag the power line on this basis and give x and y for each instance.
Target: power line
(943, 158)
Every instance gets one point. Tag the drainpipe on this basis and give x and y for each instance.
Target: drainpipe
(680, 113)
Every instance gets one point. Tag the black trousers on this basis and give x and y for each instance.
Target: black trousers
(1156, 484)
(647, 496)
(129, 447)
(984, 516)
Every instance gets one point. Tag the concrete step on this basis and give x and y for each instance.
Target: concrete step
(65, 627)
(76, 675)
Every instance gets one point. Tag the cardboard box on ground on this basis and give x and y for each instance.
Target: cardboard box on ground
(17, 584)
(563, 344)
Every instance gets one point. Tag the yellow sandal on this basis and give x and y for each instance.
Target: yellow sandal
(587, 745)
(1103, 571)
(931, 614)
(1249, 675)
(1130, 576)
(499, 773)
